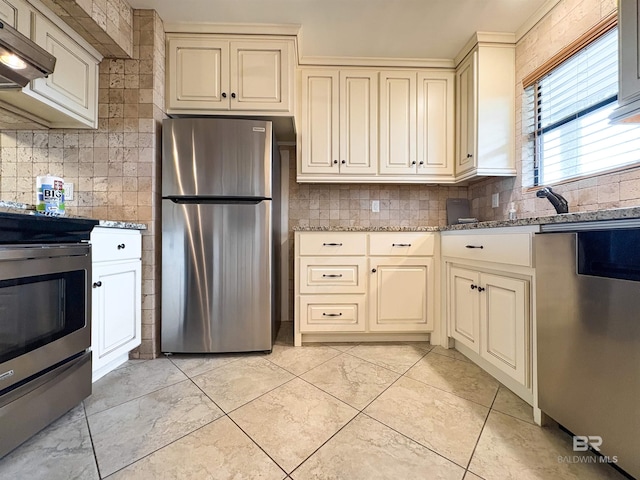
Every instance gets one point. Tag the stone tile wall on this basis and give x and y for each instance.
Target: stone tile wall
(566, 22)
(115, 169)
(106, 24)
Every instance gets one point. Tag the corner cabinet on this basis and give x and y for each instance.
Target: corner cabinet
(220, 74)
(342, 126)
(116, 297)
(68, 98)
(489, 280)
(485, 112)
(358, 286)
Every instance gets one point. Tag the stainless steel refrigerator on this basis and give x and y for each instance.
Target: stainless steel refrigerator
(220, 235)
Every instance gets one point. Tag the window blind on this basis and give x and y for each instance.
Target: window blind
(567, 117)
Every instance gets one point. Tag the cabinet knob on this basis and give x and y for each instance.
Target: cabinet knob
(421, 162)
(224, 95)
(413, 163)
(469, 155)
(481, 289)
(97, 284)
(335, 162)
(121, 246)
(373, 270)
(473, 287)
(343, 162)
(233, 95)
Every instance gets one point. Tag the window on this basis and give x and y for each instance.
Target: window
(568, 117)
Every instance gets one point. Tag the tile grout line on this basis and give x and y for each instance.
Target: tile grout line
(93, 447)
(473, 452)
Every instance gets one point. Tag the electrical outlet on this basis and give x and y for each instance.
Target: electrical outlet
(68, 191)
(375, 206)
(495, 200)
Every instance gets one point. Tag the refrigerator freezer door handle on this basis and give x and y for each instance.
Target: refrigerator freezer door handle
(216, 200)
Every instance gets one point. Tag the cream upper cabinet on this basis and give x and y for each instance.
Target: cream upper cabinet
(485, 112)
(341, 127)
(338, 122)
(68, 97)
(398, 123)
(218, 74)
(629, 61)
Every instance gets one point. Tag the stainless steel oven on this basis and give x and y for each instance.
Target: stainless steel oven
(45, 337)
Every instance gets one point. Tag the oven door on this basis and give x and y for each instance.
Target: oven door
(44, 308)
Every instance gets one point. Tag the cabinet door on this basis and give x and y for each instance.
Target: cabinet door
(466, 88)
(259, 75)
(436, 123)
(17, 14)
(358, 122)
(464, 306)
(116, 311)
(504, 322)
(73, 84)
(198, 76)
(401, 294)
(398, 123)
(319, 124)
(629, 42)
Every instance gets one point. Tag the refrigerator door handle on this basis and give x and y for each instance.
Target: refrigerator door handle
(215, 200)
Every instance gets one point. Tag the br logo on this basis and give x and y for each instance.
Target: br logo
(581, 443)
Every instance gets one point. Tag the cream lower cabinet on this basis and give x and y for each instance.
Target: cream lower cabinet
(364, 284)
(217, 74)
(488, 284)
(116, 297)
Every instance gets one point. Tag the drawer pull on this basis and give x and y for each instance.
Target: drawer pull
(331, 244)
(332, 314)
(331, 275)
(400, 244)
(121, 246)
(475, 246)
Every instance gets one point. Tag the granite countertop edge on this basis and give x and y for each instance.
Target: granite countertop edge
(26, 209)
(593, 216)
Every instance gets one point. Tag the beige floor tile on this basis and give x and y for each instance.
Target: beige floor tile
(394, 356)
(508, 402)
(352, 380)
(197, 364)
(472, 476)
(61, 451)
(464, 379)
(123, 434)
(512, 449)
(298, 360)
(292, 421)
(450, 352)
(132, 381)
(368, 450)
(342, 346)
(219, 451)
(237, 383)
(441, 421)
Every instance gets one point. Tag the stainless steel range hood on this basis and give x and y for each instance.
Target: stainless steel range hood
(21, 60)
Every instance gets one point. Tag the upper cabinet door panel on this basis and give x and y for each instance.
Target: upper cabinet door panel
(319, 132)
(436, 123)
(398, 122)
(466, 88)
(259, 76)
(200, 78)
(358, 122)
(73, 83)
(17, 14)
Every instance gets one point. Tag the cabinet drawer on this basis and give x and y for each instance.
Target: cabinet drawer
(401, 243)
(513, 249)
(325, 275)
(333, 243)
(109, 244)
(322, 313)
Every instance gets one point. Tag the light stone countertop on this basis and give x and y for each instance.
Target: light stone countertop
(26, 209)
(600, 215)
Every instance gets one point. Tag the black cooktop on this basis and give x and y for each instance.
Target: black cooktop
(36, 228)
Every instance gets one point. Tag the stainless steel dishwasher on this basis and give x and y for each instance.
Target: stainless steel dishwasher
(588, 330)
